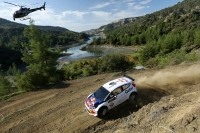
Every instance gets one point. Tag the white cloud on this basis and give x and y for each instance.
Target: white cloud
(98, 6)
(145, 2)
(123, 14)
(139, 7)
(7, 13)
(101, 14)
(76, 13)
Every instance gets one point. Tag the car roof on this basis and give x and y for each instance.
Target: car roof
(111, 85)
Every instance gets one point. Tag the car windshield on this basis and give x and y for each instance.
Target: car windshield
(101, 93)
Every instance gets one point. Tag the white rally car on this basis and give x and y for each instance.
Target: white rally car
(110, 95)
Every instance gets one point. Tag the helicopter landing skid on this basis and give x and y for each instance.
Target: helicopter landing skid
(25, 18)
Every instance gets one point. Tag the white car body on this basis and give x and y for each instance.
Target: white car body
(110, 95)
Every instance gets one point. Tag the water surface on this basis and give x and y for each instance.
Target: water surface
(76, 53)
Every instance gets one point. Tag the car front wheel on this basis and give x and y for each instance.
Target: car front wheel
(102, 112)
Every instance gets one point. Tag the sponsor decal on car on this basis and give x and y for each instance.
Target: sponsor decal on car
(89, 104)
(93, 100)
(122, 80)
(129, 89)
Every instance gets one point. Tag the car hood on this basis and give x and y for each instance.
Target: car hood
(92, 101)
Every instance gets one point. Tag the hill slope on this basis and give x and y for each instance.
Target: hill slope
(12, 37)
(112, 26)
(61, 109)
(184, 15)
(9, 24)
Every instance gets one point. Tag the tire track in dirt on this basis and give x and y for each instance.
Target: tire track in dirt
(152, 87)
(15, 104)
(62, 110)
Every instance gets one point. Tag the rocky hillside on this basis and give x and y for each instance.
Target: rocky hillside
(111, 25)
(167, 102)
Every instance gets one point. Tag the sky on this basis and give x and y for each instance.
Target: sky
(82, 15)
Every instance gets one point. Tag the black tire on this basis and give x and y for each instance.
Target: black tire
(132, 97)
(102, 112)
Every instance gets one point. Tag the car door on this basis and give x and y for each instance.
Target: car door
(116, 97)
(126, 90)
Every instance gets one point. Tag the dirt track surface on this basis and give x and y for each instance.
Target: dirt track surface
(168, 101)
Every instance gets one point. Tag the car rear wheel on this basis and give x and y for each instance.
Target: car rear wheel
(102, 111)
(132, 97)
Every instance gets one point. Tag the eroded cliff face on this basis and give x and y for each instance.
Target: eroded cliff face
(124, 21)
(112, 25)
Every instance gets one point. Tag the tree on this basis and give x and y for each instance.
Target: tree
(41, 59)
(5, 85)
(197, 38)
(13, 75)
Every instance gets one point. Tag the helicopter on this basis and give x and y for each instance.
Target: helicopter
(23, 11)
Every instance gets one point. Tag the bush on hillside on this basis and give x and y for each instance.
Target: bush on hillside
(115, 62)
(31, 80)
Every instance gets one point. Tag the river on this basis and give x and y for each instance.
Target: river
(75, 52)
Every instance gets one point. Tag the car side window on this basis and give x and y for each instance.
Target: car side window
(117, 91)
(125, 86)
(110, 96)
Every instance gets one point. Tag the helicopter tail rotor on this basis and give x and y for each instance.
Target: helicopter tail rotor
(44, 5)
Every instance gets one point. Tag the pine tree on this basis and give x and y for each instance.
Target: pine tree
(5, 85)
(41, 59)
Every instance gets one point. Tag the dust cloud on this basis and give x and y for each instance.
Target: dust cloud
(167, 78)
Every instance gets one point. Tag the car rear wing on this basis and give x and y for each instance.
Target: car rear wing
(129, 77)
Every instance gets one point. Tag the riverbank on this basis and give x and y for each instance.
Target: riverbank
(104, 49)
(109, 49)
(74, 44)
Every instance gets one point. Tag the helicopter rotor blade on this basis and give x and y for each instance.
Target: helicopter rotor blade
(35, 4)
(30, 4)
(11, 4)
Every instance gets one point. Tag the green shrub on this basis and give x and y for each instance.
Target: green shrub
(192, 57)
(164, 60)
(153, 62)
(115, 62)
(180, 56)
(88, 71)
(31, 80)
(60, 75)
